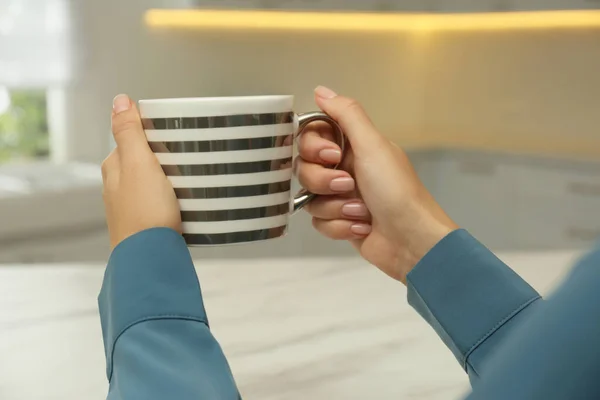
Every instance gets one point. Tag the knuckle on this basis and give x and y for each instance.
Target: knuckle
(302, 147)
(324, 208)
(307, 181)
(315, 208)
(327, 229)
(307, 146)
(302, 180)
(353, 106)
(314, 179)
(106, 165)
(125, 126)
(125, 122)
(300, 170)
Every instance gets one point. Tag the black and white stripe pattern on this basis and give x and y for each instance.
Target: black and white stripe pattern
(231, 174)
(229, 121)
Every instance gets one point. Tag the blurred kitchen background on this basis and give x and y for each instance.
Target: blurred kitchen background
(496, 101)
(499, 112)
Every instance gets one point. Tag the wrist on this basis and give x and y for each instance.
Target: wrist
(417, 236)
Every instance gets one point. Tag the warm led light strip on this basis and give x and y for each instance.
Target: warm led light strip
(373, 22)
(518, 20)
(281, 20)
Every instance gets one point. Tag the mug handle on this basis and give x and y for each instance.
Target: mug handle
(304, 196)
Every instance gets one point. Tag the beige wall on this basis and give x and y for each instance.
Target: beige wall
(121, 55)
(535, 91)
(531, 91)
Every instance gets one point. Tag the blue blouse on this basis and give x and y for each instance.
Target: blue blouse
(513, 344)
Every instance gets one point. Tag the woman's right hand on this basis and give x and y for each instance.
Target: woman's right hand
(377, 201)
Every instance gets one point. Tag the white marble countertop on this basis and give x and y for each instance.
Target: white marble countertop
(292, 329)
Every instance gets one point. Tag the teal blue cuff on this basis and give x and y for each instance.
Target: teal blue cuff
(150, 275)
(466, 293)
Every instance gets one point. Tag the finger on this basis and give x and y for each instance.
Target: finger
(320, 180)
(110, 170)
(322, 128)
(330, 208)
(314, 148)
(353, 119)
(127, 128)
(340, 229)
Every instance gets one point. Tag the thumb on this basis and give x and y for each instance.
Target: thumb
(351, 116)
(127, 128)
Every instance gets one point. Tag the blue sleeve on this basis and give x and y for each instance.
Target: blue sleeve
(157, 340)
(555, 355)
(471, 298)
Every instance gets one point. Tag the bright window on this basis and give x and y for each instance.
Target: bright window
(35, 56)
(24, 132)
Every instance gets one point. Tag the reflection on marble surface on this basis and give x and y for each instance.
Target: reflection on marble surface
(292, 329)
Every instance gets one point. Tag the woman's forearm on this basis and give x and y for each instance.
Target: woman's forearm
(556, 354)
(471, 298)
(156, 336)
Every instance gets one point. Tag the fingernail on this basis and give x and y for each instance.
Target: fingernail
(325, 92)
(355, 210)
(361, 229)
(342, 185)
(121, 103)
(330, 155)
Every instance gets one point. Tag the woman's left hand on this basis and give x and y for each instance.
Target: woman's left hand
(137, 194)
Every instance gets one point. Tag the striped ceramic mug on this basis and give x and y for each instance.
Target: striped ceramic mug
(230, 162)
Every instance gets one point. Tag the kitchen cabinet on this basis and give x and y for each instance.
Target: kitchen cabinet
(427, 165)
(57, 247)
(366, 5)
(51, 213)
(474, 191)
(513, 5)
(516, 202)
(557, 205)
(442, 6)
(462, 6)
(525, 5)
(49, 197)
